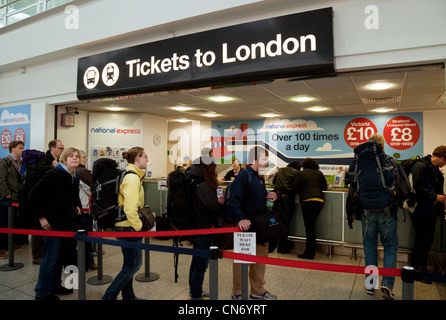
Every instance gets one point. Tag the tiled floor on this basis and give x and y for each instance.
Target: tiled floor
(285, 282)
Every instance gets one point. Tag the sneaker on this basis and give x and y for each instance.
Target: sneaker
(236, 296)
(370, 291)
(64, 291)
(204, 296)
(265, 296)
(387, 293)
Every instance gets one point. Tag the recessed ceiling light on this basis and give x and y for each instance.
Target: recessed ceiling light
(302, 99)
(379, 85)
(114, 108)
(269, 115)
(382, 110)
(181, 108)
(316, 108)
(211, 115)
(220, 98)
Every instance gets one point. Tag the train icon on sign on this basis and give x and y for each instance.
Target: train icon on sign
(110, 74)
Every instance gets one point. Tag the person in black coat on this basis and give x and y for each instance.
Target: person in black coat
(55, 202)
(310, 184)
(428, 185)
(207, 207)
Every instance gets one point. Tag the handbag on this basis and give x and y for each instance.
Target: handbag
(147, 217)
(268, 226)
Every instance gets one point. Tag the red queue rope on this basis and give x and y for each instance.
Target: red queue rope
(226, 254)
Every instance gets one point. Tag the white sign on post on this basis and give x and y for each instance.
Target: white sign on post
(245, 242)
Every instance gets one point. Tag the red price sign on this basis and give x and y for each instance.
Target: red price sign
(401, 133)
(358, 130)
(19, 135)
(6, 138)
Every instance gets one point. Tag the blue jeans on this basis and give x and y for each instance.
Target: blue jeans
(199, 265)
(57, 252)
(124, 280)
(386, 225)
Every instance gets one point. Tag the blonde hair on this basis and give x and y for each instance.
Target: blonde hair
(377, 138)
(67, 152)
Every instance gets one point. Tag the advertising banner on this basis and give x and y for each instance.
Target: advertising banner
(329, 140)
(109, 134)
(14, 125)
(294, 45)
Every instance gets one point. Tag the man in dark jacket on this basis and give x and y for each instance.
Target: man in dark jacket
(248, 199)
(32, 175)
(9, 184)
(428, 185)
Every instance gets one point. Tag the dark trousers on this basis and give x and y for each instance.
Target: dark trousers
(286, 208)
(424, 237)
(199, 265)
(310, 211)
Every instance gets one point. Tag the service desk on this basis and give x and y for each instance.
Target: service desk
(331, 224)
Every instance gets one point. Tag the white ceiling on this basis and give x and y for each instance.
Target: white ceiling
(413, 89)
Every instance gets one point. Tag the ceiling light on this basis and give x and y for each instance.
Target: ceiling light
(382, 110)
(302, 99)
(269, 115)
(181, 108)
(211, 115)
(182, 120)
(220, 99)
(114, 108)
(316, 108)
(379, 86)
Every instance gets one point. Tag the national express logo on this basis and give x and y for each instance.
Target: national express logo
(115, 131)
(109, 75)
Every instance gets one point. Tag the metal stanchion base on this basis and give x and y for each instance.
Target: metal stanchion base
(96, 281)
(142, 277)
(8, 267)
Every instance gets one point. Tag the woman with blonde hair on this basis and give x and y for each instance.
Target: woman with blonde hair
(131, 198)
(55, 202)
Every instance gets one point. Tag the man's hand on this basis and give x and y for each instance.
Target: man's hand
(244, 224)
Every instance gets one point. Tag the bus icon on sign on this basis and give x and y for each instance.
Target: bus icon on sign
(110, 74)
(91, 77)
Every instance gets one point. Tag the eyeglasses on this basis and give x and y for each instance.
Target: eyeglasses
(60, 149)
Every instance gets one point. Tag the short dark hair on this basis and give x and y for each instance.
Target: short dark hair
(309, 163)
(52, 144)
(14, 144)
(440, 152)
(255, 152)
(295, 165)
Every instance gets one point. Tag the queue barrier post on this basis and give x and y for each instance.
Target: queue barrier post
(82, 267)
(147, 276)
(11, 266)
(100, 278)
(244, 281)
(213, 272)
(408, 277)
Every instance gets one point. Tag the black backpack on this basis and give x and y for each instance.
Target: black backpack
(104, 193)
(179, 206)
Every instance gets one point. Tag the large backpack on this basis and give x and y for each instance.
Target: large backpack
(411, 203)
(179, 206)
(372, 177)
(104, 193)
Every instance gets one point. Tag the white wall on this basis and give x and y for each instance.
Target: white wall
(434, 130)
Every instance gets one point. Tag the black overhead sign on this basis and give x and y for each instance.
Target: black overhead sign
(288, 46)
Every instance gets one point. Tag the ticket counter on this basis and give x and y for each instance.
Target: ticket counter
(331, 224)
